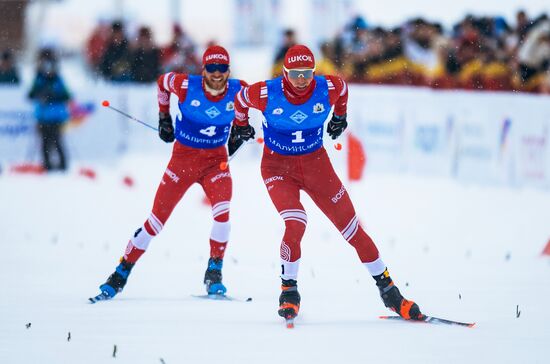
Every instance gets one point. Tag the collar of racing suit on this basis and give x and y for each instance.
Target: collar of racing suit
(295, 96)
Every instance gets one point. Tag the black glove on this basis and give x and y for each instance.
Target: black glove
(166, 129)
(336, 126)
(239, 135)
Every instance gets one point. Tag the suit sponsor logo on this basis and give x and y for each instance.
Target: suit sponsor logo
(240, 115)
(273, 179)
(318, 108)
(230, 106)
(285, 254)
(426, 137)
(299, 58)
(195, 103)
(277, 111)
(298, 117)
(174, 177)
(216, 57)
(220, 175)
(212, 112)
(339, 195)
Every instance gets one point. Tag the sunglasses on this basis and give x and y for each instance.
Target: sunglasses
(305, 73)
(213, 67)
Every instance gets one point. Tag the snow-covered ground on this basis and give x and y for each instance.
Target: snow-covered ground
(462, 252)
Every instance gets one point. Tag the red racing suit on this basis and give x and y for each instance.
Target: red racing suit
(285, 175)
(187, 165)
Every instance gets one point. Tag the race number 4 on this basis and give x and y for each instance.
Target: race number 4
(298, 137)
(210, 131)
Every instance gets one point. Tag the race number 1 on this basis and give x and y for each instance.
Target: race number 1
(298, 137)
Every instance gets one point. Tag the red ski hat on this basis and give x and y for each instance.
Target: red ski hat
(299, 56)
(215, 54)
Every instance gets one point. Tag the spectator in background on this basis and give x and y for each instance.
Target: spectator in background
(145, 58)
(534, 57)
(358, 23)
(325, 65)
(97, 44)
(392, 67)
(51, 99)
(358, 39)
(419, 49)
(522, 25)
(545, 85)
(338, 51)
(179, 56)
(115, 63)
(289, 39)
(8, 72)
(373, 58)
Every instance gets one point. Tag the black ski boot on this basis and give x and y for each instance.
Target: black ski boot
(289, 300)
(116, 281)
(393, 299)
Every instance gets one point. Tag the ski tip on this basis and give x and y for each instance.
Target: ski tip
(103, 296)
(399, 318)
(430, 319)
(216, 297)
(289, 320)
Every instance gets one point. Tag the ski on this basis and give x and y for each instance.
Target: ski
(289, 322)
(103, 296)
(215, 297)
(431, 320)
(221, 297)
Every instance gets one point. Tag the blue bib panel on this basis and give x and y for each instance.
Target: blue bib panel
(203, 123)
(295, 129)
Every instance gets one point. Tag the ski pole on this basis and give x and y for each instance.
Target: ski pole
(224, 165)
(106, 103)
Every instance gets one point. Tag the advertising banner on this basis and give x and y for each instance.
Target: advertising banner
(475, 137)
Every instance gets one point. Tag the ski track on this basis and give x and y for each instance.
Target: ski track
(61, 236)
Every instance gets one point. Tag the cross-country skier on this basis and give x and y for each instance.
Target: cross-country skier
(295, 107)
(206, 106)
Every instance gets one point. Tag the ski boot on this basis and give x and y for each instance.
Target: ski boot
(116, 281)
(289, 300)
(393, 299)
(213, 277)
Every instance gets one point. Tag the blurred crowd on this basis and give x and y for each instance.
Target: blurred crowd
(478, 53)
(481, 53)
(8, 70)
(118, 58)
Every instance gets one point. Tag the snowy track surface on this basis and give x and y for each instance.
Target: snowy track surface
(466, 253)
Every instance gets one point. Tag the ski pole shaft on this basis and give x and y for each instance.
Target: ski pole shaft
(107, 104)
(236, 152)
(224, 165)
